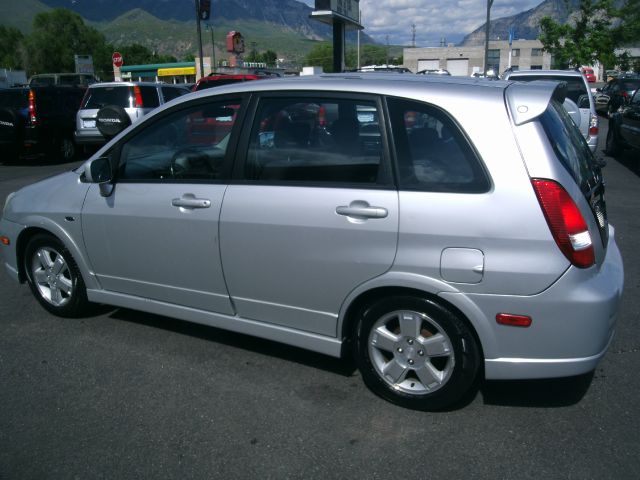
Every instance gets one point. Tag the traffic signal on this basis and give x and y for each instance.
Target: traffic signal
(205, 9)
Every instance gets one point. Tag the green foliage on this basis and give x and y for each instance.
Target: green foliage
(269, 57)
(10, 47)
(322, 55)
(594, 34)
(136, 54)
(60, 34)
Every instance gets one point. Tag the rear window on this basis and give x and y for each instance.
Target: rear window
(570, 146)
(575, 85)
(103, 96)
(14, 99)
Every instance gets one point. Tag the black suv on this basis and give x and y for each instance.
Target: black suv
(616, 93)
(38, 120)
(624, 127)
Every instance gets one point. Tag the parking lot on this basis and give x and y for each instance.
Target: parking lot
(125, 394)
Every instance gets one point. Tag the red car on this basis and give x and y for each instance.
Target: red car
(219, 79)
(588, 72)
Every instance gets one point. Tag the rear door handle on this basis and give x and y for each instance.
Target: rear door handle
(188, 200)
(361, 210)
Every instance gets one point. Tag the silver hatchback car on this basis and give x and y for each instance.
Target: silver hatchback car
(441, 231)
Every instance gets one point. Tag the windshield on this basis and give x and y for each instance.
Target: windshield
(575, 85)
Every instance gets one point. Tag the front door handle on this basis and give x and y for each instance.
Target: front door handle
(361, 210)
(188, 200)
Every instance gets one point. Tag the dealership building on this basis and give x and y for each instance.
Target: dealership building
(467, 60)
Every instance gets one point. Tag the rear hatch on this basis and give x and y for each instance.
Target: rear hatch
(14, 108)
(575, 156)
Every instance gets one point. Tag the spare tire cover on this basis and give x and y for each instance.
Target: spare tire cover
(111, 120)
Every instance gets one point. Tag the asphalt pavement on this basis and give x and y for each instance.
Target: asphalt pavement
(124, 394)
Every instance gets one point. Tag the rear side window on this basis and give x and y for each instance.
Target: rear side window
(432, 153)
(316, 140)
(149, 97)
(103, 96)
(569, 146)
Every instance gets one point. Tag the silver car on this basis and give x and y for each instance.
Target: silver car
(579, 98)
(126, 102)
(442, 231)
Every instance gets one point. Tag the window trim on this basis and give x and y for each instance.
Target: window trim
(153, 119)
(237, 177)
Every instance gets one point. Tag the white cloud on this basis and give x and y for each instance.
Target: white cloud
(451, 19)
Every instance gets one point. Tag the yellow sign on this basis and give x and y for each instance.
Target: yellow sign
(168, 72)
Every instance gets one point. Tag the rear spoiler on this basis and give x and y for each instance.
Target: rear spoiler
(526, 101)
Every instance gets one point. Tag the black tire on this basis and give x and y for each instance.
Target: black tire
(431, 363)
(612, 146)
(54, 277)
(111, 120)
(67, 149)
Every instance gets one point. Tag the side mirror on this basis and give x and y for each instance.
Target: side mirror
(100, 172)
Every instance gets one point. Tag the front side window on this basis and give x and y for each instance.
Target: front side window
(431, 151)
(188, 144)
(316, 140)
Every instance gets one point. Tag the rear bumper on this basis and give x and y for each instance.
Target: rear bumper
(96, 140)
(573, 323)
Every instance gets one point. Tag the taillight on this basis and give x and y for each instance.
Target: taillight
(33, 114)
(593, 125)
(138, 96)
(566, 223)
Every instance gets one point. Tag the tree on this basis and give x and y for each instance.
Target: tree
(11, 40)
(60, 34)
(321, 55)
(136, 54)
(270, 58)
(592, 35)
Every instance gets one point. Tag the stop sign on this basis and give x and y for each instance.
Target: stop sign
(117, 60)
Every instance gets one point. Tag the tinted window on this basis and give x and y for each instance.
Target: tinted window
(569, 146)
(316, 140)
(189, 144)
(431, 151)
(100, 97)
(575, 85)
(169, 93)
(149, 97)
(14, 98)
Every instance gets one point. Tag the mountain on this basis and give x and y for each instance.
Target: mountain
(525, 24)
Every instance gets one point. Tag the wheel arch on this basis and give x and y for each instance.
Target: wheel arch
(349, 318)
(48, 227)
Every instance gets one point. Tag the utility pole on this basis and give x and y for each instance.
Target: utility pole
(387, 50)
(413, 35)
(199, 37)
(209, 26)
(487, 29)
(360, 22)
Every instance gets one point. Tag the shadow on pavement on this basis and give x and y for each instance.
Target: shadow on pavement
(344, 367)
(547, 393)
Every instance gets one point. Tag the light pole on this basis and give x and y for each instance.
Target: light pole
(209, 26)
(486, 36)
(199, 37)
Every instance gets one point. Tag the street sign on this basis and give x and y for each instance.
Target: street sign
(117, 59)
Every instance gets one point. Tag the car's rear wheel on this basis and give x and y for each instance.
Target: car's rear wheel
(54, 278)
(416, 353)
(67, 149)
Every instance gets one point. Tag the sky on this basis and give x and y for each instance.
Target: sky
(452, 19)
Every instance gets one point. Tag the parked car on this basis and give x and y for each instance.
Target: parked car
(125, 102)
(38, 121)
(439, 71)
(616, 93)
(589, 75)
(220, 79)
(468, 239)
(48, 79)
(578, 92)
(624, 127)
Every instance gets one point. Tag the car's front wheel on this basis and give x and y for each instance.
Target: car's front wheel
(416, 353)
(53, 276)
